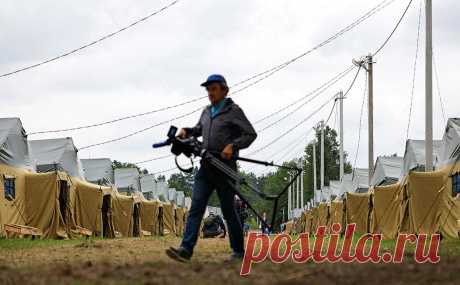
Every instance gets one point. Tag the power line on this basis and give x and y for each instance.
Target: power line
(439, 89)
(294, 127)
(154, 159)
(414, 71)
(91, 43)
(324, 85)
(266, 74)
(394, 30)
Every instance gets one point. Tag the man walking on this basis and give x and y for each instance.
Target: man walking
(225, 130)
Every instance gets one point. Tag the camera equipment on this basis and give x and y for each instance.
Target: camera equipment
(191, 147)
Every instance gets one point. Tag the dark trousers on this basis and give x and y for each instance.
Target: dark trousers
(206, 180)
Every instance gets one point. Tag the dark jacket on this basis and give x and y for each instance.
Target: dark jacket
(229, 126)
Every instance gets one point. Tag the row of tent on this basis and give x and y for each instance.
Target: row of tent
(402, 198)
(392, 169)
(45, 186)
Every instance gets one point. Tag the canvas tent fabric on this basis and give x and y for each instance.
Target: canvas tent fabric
(123, 208)
(169, 218)
(98, 170)
(323, 214)
(336, 214)
(432, 208)
(308, 221)
(127, 179)
(414, 155)
(56, 154)
(180, 221)
(12, 210)
(388, 210)
(358, 210)
(47, 206)
(87, 207)
(149, 215)
(14, 148)
(450, 145)
(387, 170)
(188, 202)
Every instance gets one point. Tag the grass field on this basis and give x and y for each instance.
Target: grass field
(142, 261)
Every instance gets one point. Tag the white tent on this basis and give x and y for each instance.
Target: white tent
(387, 170)
(360, 180)
(14, 148)
(56, 154)
(414, 155)
(98, 170)
(172, 195)
(325, 194)
(148, 186)
(450, 146)
(346, 184)
(180, 198)
(335, 187)
(188, 202)
(127, 179)
(162, 191)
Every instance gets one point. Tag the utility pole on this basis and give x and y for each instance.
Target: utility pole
(367, 64)
(301, 186)
(322, 156)
(340, 98)
(315, 187)
(289, 199)
(428, 87)
(299, 192)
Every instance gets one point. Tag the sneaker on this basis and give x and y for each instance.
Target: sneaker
(179, 254)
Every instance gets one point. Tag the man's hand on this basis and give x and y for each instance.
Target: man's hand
(227, 153)
(182, 134)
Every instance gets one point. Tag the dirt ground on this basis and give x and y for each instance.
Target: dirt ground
(142, 261)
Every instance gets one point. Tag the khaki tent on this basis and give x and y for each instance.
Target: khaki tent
(323, 214)
(358, 210)
(314, 219)
(123, 210)
(337, 214)
(388, 210)
(149, 215)
(12, 200)
(308, 221)
(92, 207)
(169, 225)
(432, 206)
(180, 221)
(47, 204)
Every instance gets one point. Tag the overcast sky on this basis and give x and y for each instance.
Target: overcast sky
(163, 60)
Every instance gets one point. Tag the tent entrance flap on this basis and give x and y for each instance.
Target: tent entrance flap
(64, 200)
(107, 228)
(136, 220)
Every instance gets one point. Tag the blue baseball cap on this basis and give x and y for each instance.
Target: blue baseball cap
(214, 78)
